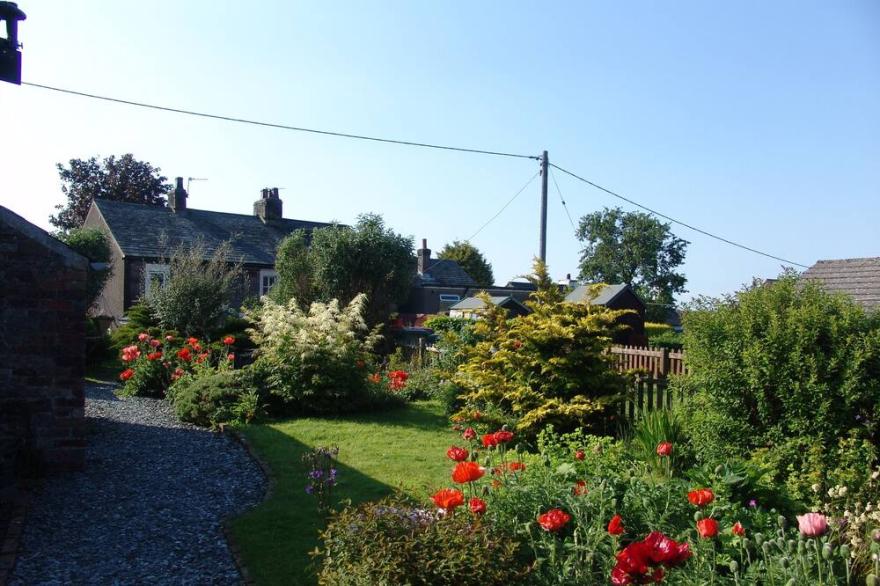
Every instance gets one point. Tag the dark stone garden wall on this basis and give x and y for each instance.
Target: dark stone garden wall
(42, 351)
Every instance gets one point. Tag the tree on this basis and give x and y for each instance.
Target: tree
(94, 245)
(471, 260)
(633, 248)
(122, 179)
(342, 262)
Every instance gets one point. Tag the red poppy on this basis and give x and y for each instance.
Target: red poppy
(169, 338)
(516, 466)
(579, 455)
(184, 354)
(448, 498)
(503, 436)
(707, 528)
(457, 454)
(154, 356)
(178, 372)
(230, 357)
(664, 449)
(701, 497)
(201, 357)
(640, 561)
(130, 353)
(553, 520)
(615, 526)
(192, 341)
(489, 440)
(143, 336)
(580, 488)
(229, 340)
(477, 506)
(469, 433)
(738, 529)
(126, 374)
(375, 377)
(155, 343)
(467, 472)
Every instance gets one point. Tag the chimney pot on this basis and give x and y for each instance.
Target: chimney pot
(269, 206)
(177, 198)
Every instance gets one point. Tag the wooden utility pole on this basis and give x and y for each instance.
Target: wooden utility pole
(545, 162)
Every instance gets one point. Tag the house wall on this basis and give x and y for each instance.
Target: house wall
(110, 301)
(42, 351)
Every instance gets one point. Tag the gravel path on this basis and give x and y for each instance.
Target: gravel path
(148, 506)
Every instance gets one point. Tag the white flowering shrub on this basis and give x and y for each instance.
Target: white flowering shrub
(316, 361)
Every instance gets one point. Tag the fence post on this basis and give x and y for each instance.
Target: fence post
(664, 363)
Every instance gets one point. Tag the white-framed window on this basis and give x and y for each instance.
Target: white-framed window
(155, 277)
(267, 280)
(447, 298)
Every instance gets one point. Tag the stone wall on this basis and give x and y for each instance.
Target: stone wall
(42, 351)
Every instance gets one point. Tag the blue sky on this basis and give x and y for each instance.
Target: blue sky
(758, 121)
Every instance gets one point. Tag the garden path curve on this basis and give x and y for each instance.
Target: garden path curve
(147, 508)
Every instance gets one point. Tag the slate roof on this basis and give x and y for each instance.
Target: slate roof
(470, 303)
(445, 273)
(857, 277)
(139, 230)
(609, 293)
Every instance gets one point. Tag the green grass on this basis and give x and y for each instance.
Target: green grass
(378, 453)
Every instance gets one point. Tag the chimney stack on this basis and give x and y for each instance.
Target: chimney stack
(177, 198)
(424, 256)
(269, 206)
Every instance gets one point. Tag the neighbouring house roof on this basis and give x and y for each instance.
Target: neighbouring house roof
(522, 285)
(857, 277)
(476, 304)
(445, 273)
(608, 293)
(151, 231)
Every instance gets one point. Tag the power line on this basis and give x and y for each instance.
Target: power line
(562, 199)
(504, 207)
(679, 222)
(279, 126)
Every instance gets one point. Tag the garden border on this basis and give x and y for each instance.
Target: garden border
(226, 523)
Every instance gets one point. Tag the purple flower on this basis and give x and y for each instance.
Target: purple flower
(316, 474)
(753, 503)
(310, 489)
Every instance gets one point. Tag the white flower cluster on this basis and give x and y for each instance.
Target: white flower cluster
(286, 331)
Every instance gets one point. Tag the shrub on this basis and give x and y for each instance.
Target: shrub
(395, 542)
(220, 397)
(139, 318)
(94, 245)
(776, 362)
(317, 362)
(663, 336)
(200, 287)
(550, 366)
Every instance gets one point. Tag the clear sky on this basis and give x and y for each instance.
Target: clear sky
(759, 121)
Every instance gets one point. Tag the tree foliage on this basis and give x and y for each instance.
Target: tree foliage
(342, 262)
(117, 179)
(471, 260)
(201, 285)
(548, 367)
(633, 248)
(95, 246)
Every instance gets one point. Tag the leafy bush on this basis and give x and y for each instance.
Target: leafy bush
(217, 398)
(317, 362)
(95, 246)
(200, 287)
(777, 362)
(395, 542)
(550, 366)
(139, 318)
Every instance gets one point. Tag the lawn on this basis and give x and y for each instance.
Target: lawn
(378, 453)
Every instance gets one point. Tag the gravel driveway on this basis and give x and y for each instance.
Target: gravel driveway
(148, 506)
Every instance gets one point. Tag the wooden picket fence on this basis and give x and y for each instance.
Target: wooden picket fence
(650, 369)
